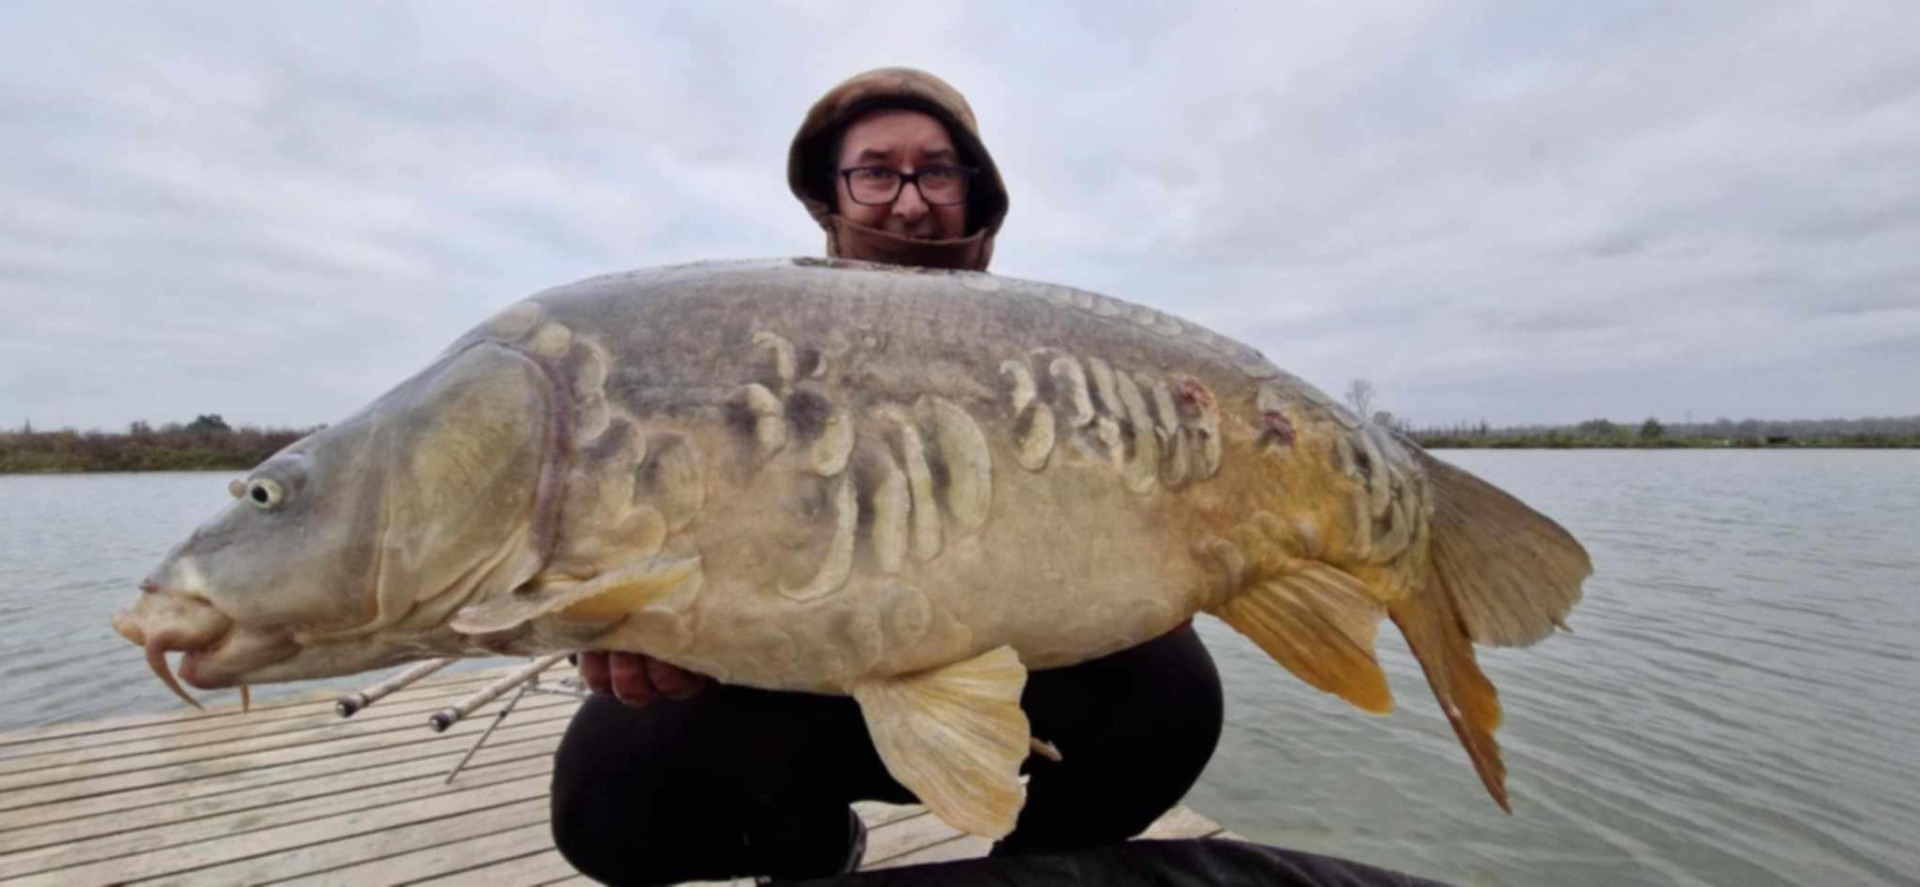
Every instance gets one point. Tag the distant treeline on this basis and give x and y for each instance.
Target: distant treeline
(205, 443)
(208, 443)
(1888, 432)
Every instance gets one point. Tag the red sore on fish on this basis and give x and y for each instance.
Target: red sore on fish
(1276, 428)
(1195, 396)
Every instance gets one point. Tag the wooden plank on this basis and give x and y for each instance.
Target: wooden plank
(365, 845)
(259, 801)
(340, 767)
(202, 770)
(190, 718)
(229, 717)
(150, 840)
(238, 802)
(905, 836)
(543, 867)
(152, 738)
(958, 847)
(158, 761)
(149, 739)
(181, 717)
(316, 845)
(1180, 823)
(878, 813)
(465, 856)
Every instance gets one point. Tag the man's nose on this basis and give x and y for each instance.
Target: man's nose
(910, 205)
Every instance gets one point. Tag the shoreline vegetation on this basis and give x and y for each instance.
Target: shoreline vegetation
(208, 443)
(205, 444)
(1871, 433)
(1723, 434)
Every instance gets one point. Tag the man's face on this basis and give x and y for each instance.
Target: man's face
(906, 141)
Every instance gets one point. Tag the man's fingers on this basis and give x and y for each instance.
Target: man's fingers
(593, 672)
(630, 682)
(635, 679)
(673, 681)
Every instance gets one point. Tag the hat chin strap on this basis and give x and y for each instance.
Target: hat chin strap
(848, 240)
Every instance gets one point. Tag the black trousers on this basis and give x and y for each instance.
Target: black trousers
(739, 782)
(1192, 863)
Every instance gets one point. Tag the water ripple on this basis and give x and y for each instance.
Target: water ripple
(1739, 705)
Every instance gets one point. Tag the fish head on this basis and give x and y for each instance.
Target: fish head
(350, 549)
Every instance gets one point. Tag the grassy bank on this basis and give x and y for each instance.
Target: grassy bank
(171, 448)
(1574, 442)
(207, 444)
(1652, 434)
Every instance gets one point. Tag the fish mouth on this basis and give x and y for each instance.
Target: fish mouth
(158, 635)
(230, 660)
(194, 667)
(215, 652)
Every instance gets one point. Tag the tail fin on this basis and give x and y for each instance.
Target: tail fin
(1468, 698)
(1511, 572)
(1502, 574)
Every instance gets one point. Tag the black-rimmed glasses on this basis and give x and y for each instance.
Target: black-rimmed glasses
(880, 185)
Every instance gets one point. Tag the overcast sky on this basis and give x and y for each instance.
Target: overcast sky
(1513, 211)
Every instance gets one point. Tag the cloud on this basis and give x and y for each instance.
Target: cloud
(1520, 211)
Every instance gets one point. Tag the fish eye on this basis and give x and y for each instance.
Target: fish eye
(265, 493)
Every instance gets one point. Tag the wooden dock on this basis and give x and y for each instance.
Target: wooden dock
(294, 794)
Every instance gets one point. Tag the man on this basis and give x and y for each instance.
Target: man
(898, 120)
(663, 777)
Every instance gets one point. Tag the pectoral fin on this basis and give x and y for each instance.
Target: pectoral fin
(956, 737)
(610, 595)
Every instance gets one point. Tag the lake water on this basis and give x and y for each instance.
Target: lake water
(1740, 703)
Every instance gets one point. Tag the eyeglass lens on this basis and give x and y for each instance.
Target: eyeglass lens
(877, 184)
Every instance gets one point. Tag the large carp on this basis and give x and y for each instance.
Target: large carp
(910, 487)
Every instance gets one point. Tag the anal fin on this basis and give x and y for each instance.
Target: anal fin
(956, 737)
(1320, 623)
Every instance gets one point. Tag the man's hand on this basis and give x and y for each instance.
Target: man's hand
(637, 680)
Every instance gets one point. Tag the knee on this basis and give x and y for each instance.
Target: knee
(614, 818)
(579, 840)
(631, 845)
(1207, 708)
(651, 843)
(586, 835)
(1181, 687)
